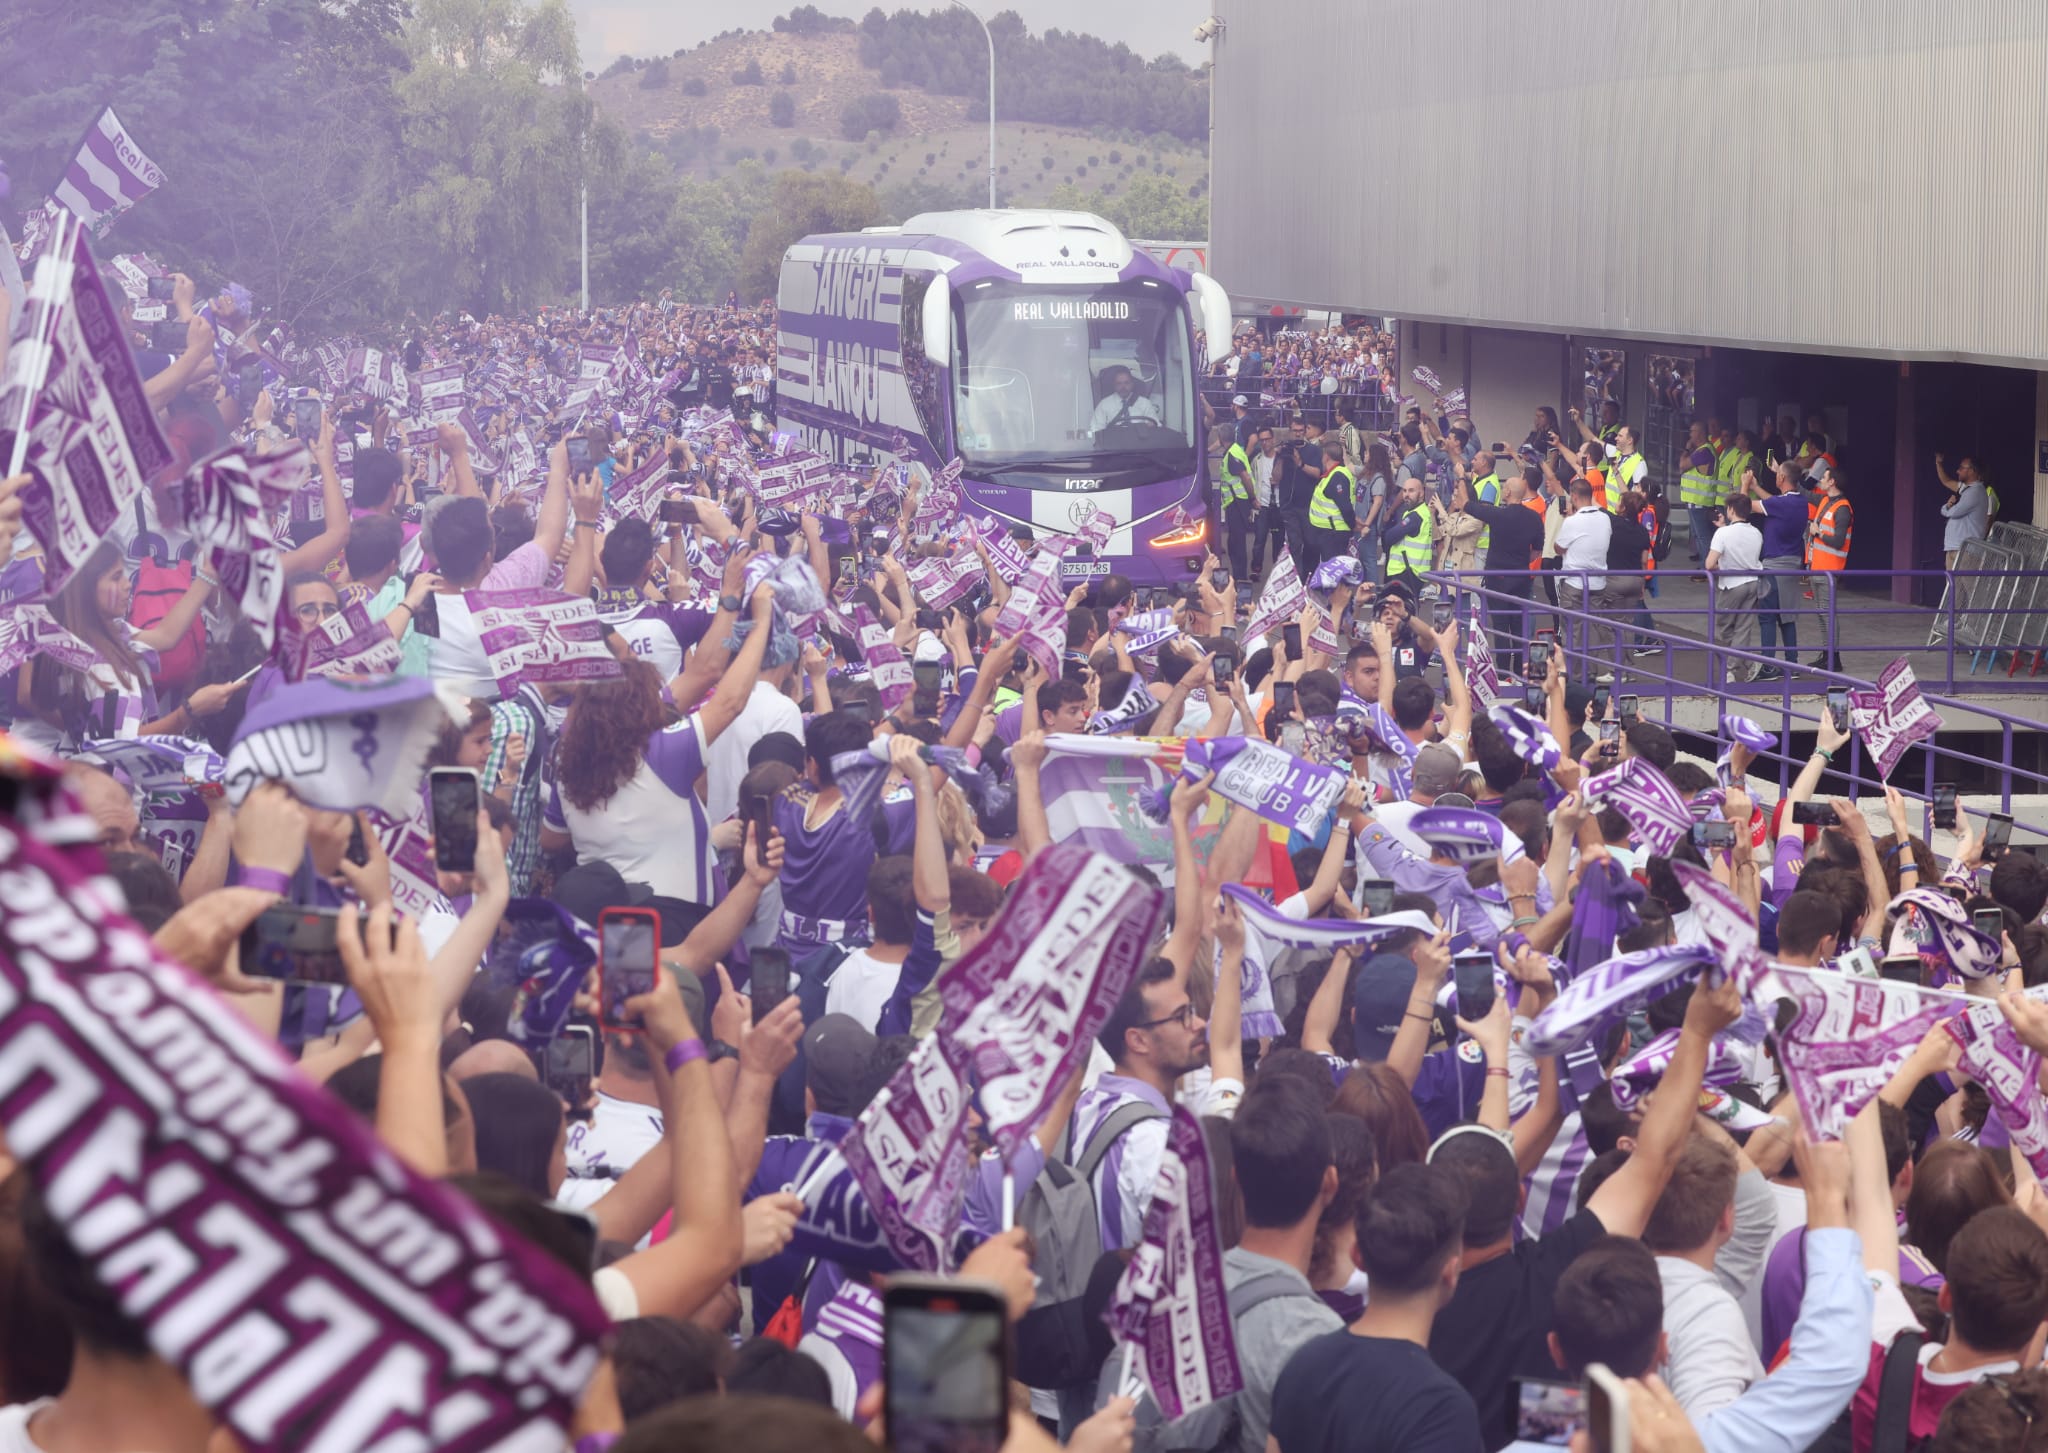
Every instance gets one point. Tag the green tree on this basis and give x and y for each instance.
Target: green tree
(800, 204)
(782, 109)
(655, 77)
(748, 75)
(1155, 207)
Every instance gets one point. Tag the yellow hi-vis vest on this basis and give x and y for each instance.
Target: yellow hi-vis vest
(1731, 467)
(1236, 486)
(1415, 554)
(1697, 487)
(1486, 491)
(1323, 513)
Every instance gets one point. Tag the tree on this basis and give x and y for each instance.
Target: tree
(694, 86)
(782, 109)
(788, 76)
(748, 74)
(655, 77)
(877, 111)
(1155, 207)
(801, 203)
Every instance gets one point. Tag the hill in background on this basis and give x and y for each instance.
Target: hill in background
(898, 103)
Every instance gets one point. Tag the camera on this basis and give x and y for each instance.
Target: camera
(1209, 29)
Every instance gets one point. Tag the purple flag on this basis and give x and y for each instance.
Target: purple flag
(910, 1156)
(92, 438)
(1276, 784)
(1025, 1006)
(313, 1291)
(1645, 796)
(890, 672)
(541, 636)
(1610, 991)
(109, 175)
(341, 745)
(2010, 1073)
(1848, 1039)
(1482, 678)
(1893, 717)
(1170, 1304)
(237, 509)
(1036, 613)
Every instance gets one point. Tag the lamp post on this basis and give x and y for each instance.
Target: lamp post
(991, 37)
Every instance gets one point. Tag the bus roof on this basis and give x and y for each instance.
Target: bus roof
(1024, 239)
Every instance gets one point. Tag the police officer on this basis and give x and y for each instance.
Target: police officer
(1235, 487)
(1332, 515)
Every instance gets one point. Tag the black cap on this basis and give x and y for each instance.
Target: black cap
(837, 1050)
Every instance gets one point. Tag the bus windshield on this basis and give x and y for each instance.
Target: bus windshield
(1072, 376)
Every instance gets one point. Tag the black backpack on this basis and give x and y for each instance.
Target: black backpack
(1892, 1430)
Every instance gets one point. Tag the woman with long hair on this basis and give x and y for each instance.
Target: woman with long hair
(116, 695)
(626, 784)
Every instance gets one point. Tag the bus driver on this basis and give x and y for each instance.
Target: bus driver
(1123, 404)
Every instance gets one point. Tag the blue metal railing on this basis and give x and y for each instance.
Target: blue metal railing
(1597, 644)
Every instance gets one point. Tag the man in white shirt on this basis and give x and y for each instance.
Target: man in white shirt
(1123, 404)
(1582, 542)
(1734, 557)
(768, 709)
(860, 987)
(1435, 771)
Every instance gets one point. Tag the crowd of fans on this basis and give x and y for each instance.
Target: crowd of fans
(1425, 1219)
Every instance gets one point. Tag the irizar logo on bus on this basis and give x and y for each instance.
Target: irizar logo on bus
(1073, 483)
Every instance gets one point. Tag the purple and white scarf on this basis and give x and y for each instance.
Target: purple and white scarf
(1849, 1037)
(1277, 785)
(1740, 730)
(1466, 835)
(1610, 991)
(1530, 738)
(1957, 943)
(1003, 551)
(541, 636)
(1150, 629)
(1169, 1305)
(886, 666)
(2010, 1073)
(349, 644)
(171, 807)
(1893, 717)
(1644, 1070)
(1645, 796)
(312, 1289)
(1036, 613)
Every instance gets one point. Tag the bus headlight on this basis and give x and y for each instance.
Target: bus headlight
(1189, 534)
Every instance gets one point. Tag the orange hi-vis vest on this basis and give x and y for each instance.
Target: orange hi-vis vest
(1832, 524)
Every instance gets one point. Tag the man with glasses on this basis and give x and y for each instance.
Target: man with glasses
(1152, 1037)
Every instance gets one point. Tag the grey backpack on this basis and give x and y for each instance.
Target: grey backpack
(1059, 1210)
(1219, 1426)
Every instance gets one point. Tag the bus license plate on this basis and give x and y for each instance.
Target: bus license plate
(1083, 569)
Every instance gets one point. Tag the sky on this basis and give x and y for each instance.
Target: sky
(606, 29)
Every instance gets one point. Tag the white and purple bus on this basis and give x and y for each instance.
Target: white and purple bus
(1054, 359)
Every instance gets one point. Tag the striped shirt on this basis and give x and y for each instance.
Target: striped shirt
(1124, 1180)
(847, 1343)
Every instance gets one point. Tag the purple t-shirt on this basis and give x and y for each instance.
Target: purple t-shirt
(1785, 1284)
(825, 868)
(1784, 526)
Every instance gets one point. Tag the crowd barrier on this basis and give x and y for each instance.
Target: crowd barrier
(1370, 409)
(1601, 647)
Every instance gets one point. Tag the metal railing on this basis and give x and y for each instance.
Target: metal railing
(1601, 647)
(1370, 408)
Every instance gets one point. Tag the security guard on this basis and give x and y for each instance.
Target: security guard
(1827, 547)
(1235, 489)
(1331, 516)
(1485, 488)
(1735, 460)
(1409, 537)
(1699, 491)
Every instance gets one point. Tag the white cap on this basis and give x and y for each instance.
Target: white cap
(928, 648)
(1242, 402)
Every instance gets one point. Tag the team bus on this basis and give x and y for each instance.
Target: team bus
(1051, 357)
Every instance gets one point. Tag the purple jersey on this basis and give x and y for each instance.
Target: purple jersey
(825, 868)
(1785, 1284)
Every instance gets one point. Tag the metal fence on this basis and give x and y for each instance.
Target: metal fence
(1999, 597)
(1597, 647)
(1370, 408)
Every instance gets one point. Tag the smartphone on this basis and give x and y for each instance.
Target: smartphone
(1997, 834)
(1532, 700)
(1221, 668)
(1900, 968)
(294, 944)
(1606, 1410)
(945, 1365)
(678, 512)
(1601, 694)
(1838, 707)
(306, 417)
(1375, 896)
(1610, 738)
(1219, 580)
(1290, 640)
(1989, 921)
(1283, 697)
(569, 1063)
(1945, 805)
(1473, 974)
(1815, 814)
(767, 980)
(452, 800)
(1856, 963)
(1539, 657)
(1548, 1413)
(1628, 709)
(1708, 836)
(628, 958)
(162, 290)
(1229, 633)
(579, 456)
(249, 383)
(427, 619)
(929, 675)
(167, 337)
(358, 850)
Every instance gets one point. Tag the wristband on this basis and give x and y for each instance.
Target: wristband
(595, 1442)
(1501, 1071)
(1826, 754)
(682, 1053)
(1425, 1018)
(1525, 919)
(265, 880)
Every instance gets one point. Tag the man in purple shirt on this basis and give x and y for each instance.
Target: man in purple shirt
(1784, 531)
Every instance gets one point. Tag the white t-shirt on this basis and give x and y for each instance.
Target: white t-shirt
(1394, 817)
(14, 1418)
(861, 987)
(1741, 548)
(725, 760)
(458, 652)
(605, 1147)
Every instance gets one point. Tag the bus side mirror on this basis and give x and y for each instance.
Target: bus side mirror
(1212, 306)
(938, 323)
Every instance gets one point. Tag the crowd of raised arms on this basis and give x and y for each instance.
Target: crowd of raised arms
(497, 765)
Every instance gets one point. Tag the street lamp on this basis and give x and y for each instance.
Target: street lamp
(991, 37)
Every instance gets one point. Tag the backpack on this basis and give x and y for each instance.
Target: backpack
(157, 589)
(1218, 1424)
(1891, 1430)
(1052, 1340)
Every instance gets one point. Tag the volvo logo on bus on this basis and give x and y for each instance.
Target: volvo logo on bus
(1074, 483)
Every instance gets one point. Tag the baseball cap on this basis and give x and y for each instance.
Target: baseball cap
(837, 1050)
(1241, 401)
(1379, 997)
(1436, 770)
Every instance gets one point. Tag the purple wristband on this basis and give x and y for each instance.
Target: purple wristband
(266, 880)
(682, 1053)
(595, 1442)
